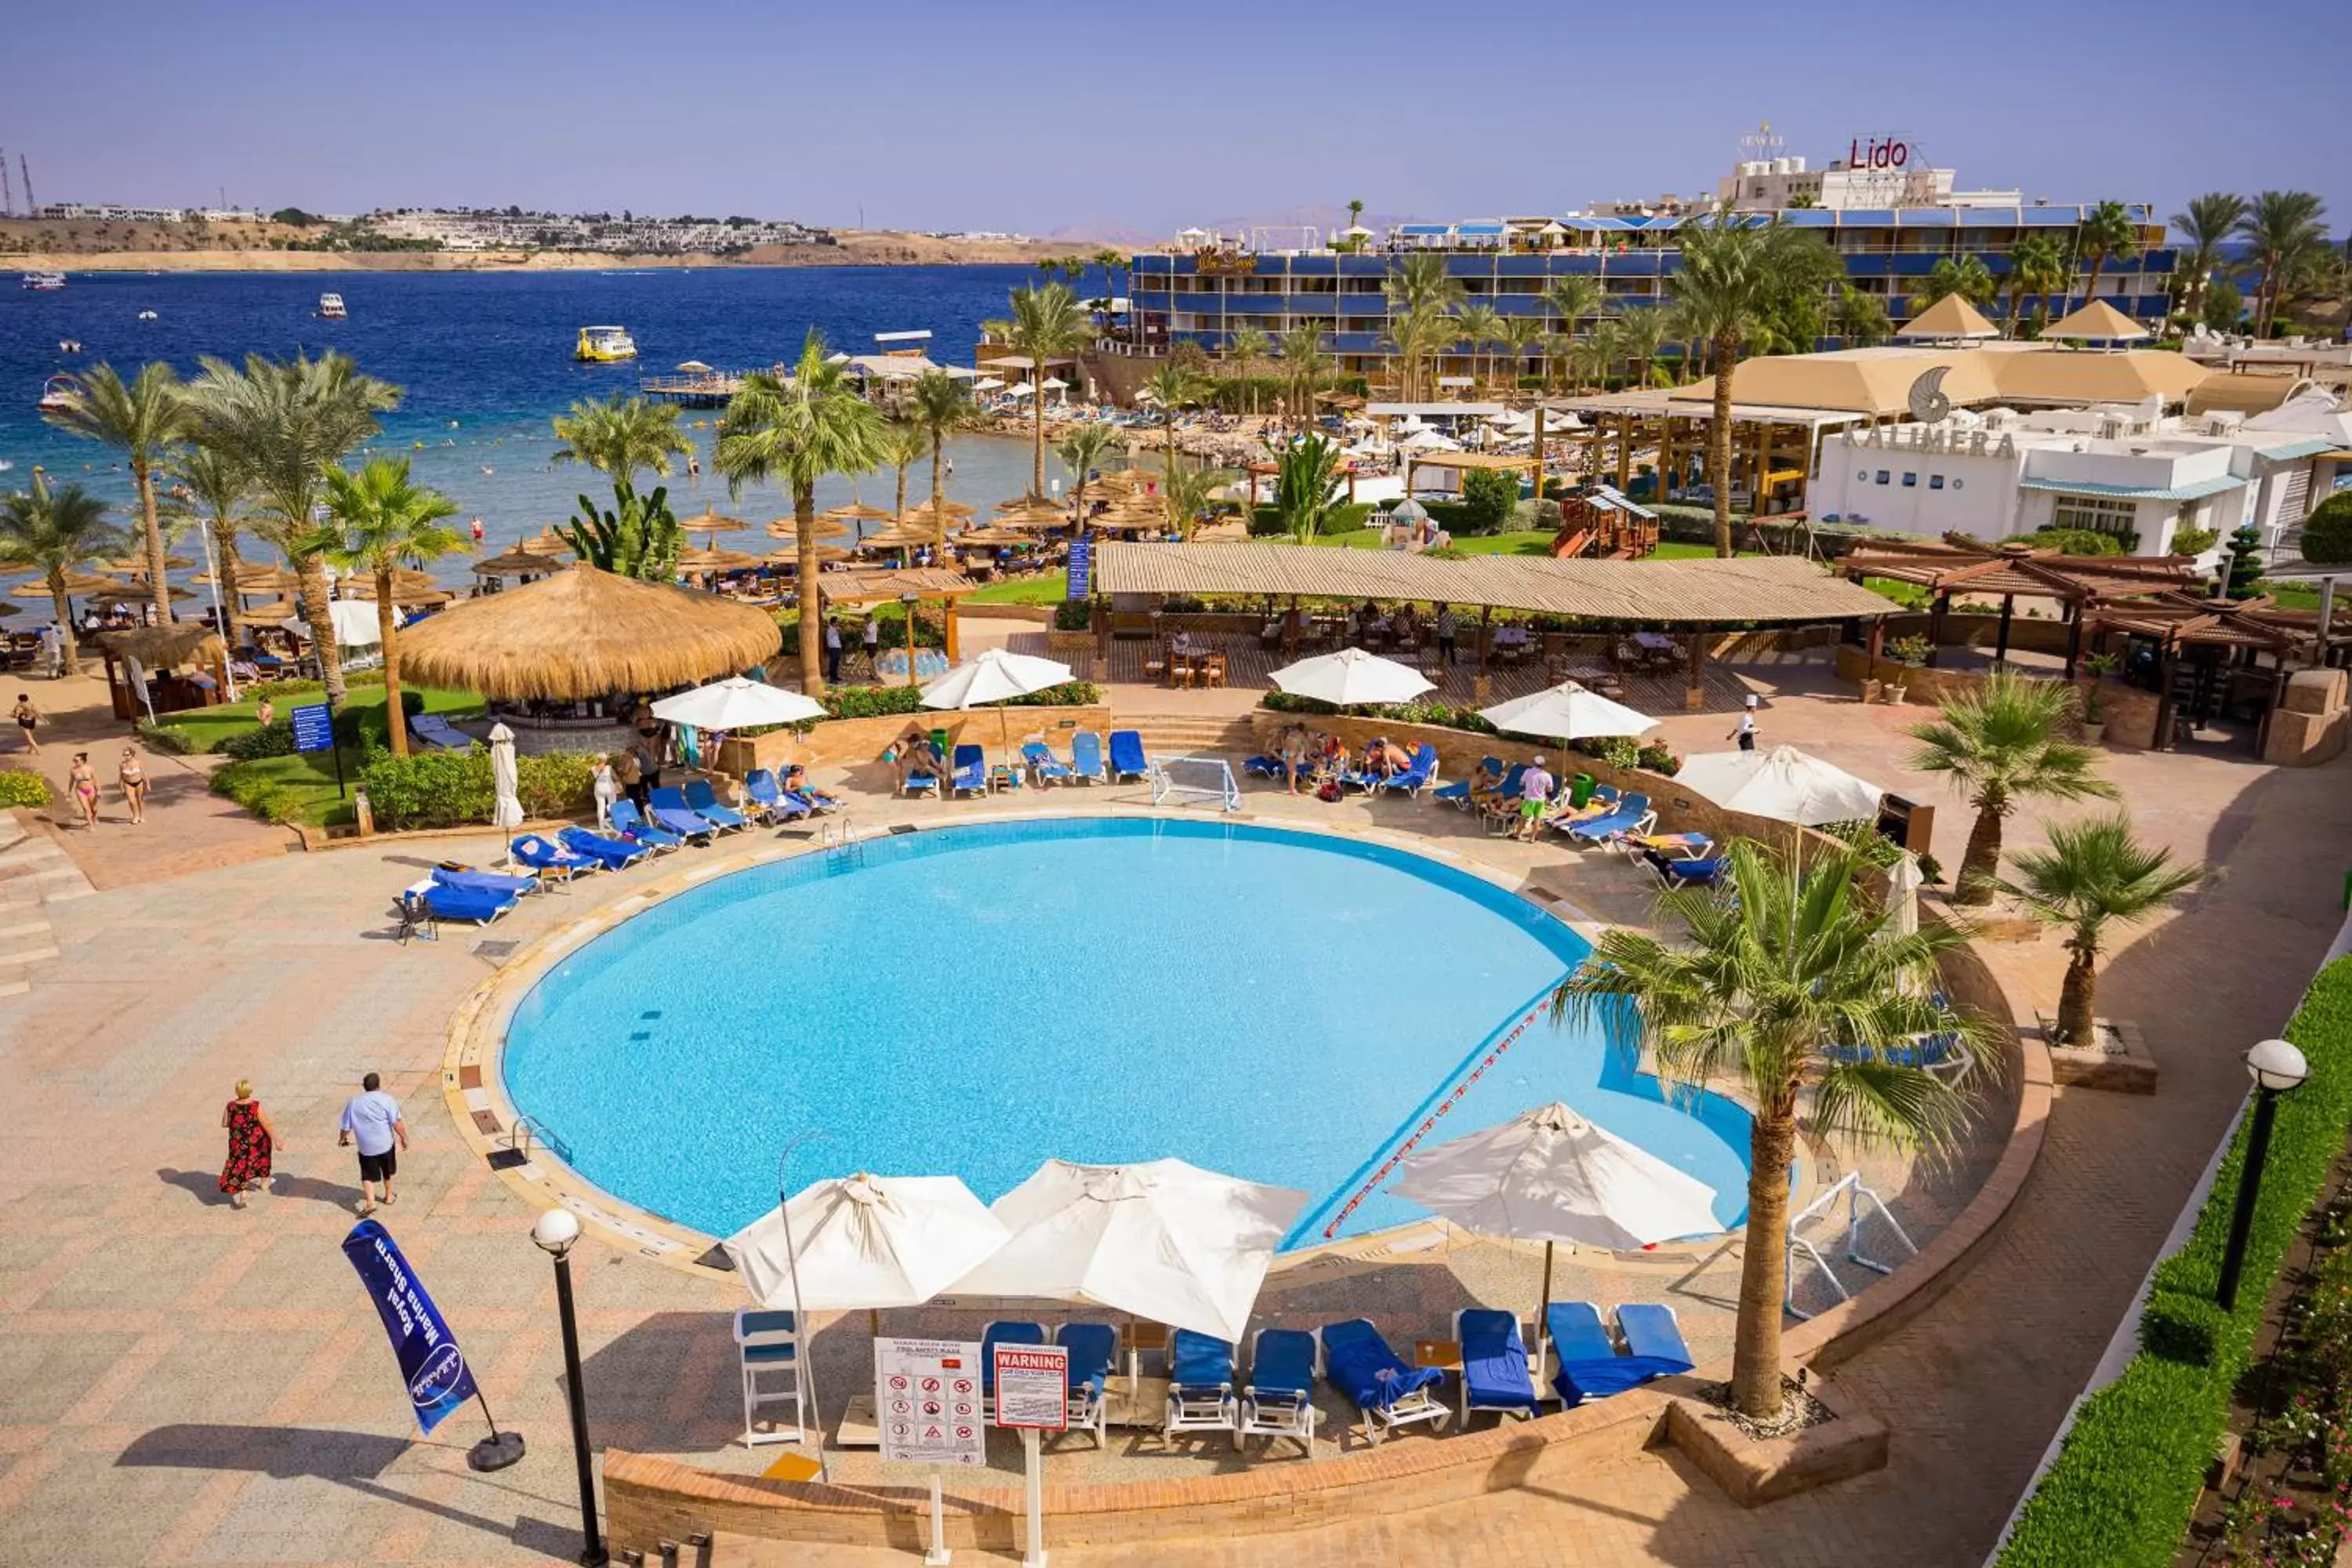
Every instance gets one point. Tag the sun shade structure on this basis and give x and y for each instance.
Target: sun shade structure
(354, 620)
(866, 1241)
(160, 648)
(547, 542)
(517, 562)
(1783, 784)
(583, 633)
(1164, 1240)
(1949, 317)
(1349, 676)
(76, 582)
(1569, 711)
(736, 703)
(852, 512)
(697, 562)
(823, 527)
(2096, 321)
(996, 676)
(710, 521)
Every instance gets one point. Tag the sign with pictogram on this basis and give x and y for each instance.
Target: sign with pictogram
(927, 1400)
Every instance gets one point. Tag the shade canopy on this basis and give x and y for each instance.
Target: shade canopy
(517, 562)
(824, 527)
(2098, 321)
(736, 703)
(865, 1241)
(710, 521)
(1569, 711)
(355, 623)
(855, 510)
(993, 677)
(583, 633)
(1163, 1239)
(1782, 782)
(1350, 677)
(74, 582)
(1949, 317)
(1551, 1175)
(160, 648)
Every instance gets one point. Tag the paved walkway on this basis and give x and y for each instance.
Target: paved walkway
(181, 1382)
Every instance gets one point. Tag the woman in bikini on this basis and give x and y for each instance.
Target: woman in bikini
(83, 784)
(28, 723)
(132, 776)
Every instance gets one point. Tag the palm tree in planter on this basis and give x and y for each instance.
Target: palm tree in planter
(1798, 980)
(2002, 745)
(376, 518)
(2092, 873)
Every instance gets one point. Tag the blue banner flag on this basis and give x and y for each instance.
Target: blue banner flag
(314, 727)
(434, 1369)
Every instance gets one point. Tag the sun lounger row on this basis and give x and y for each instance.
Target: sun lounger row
(968, 771)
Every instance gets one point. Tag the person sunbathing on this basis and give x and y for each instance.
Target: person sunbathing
(796, 781)
(1389, 759)
(1486, 784)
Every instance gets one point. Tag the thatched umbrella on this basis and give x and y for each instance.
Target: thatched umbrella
(990, 537)
(132, 597)
(698, 561)
(944, 509)
(791, 558)
(270, 614)
(546, 541)
(410, 594)
(856, 511)
(137, 565)
(1034, 517)
(583, 634)
(1129, 479)
(899, 538)
(821, 528)
(75, 582)
(517, 562)
(710, 521)
(160, 648)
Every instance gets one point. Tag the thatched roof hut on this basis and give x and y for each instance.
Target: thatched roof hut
(160, 648)
(583, 633)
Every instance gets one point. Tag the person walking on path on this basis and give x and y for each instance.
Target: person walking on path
(832, 653)
(53, 651)
(873, 645)
(1448, 627)
(131, 775)
(81, 782)
(28, 723)
(372, 1118)
(1745, 731)
(251, 1140)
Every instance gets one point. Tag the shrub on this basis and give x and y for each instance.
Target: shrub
(275, 738)
(2123, 1488)
(1658, 757)
(1488, 497)
(2193, 541)
(872, 701)
(176, 739)
(267, 798)
(447, 789)
(19, 786)
(1073, 616)
(2077, 541)
(1912, 651)
(2328, 531)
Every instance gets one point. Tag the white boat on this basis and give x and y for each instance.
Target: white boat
(57, 394)
(45, 280)
(330, 308)
(146, 315)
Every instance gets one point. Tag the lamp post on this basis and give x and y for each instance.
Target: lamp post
(908, 603)
(2276, 1067)
(555, 1231)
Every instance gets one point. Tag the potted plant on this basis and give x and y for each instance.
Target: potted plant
(1908, 653)
(2098, 667)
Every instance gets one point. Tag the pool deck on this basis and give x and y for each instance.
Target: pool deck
(182, 1381)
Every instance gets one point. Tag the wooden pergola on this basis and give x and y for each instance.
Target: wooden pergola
(2210, 633)
(905, 584)
(1961, 566)
(1460, 462)
(1772, 444)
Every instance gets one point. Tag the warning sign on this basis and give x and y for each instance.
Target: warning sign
(1032, 1384)
(927, 1400)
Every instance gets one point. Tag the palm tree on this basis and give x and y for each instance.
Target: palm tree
(2000, 745)
(1600, 352)
(285, 423)
(2207, 221)
(2108, 231)
(1520, 336)
(375, 519)
(143, 419)
(1306, 484)
(619, 436)
(54, 532)
(1355, 221)
(2282, 227)
(1248, 345)
(215, 488)
(1557, 348)
(1478, 325)
(1045, 325)
(1116, 274)
(1420, 295)
(1305, 366)
(1081, 452)
(941, 405)
(1573, 297)
(1172, 387)
(2037, 266)
(1798, 980)
(1640, 335)
(904, 443)
(795, 430)
(1189, 492)
(1858, 319)
(1733, 277)
(2093, 872)
(1966, 276)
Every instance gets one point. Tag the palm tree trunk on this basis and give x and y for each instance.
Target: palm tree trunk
(1168, 469)
(1037, 419)
(229, 564)
(2078, 998)
(812, 607)
(322, 619)
(396, 719)
(1764, 1264)
(62, 607)
(2098, 264)
(158, 589)
(899, 508)
(1718, 440)
(939, 478)
(1981, 864)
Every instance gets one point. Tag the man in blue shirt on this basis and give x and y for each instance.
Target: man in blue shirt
(372, 1118)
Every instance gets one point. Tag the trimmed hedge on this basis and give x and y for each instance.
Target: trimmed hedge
(2125, 1486)
(881, 701)
(451, 789)
(252, 788)
(19, 786)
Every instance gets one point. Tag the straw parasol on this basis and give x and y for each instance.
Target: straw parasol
(856, 511)
(407, 596)
(1030, 514)
(898, 538)
(517, 562)
(139, 595)
(945, 508)
(546, 541)
(710, 521)
(791, 557)
(1130, 479)
(989, 536)
(160, 648)
(700, 561)
(267, 615)
(137, 565)
(75, 582)
(821, 528)
(585, 633)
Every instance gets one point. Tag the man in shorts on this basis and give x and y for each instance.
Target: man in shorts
(372, 1118)
(1535, 798)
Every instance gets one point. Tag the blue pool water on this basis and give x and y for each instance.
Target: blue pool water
(976, 1000)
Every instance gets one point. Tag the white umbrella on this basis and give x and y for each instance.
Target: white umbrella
(1902, 884)
(1428, 441)
(507, 812)
(1164, 1240)
(1551, 1176)
(354, 621)
(1349, 676)
(865, 1241)
(1782, 782)
(1054, 384)
(1569, 711)
(995, 677)
(1023, 390)
(736, 703)
(985, 383)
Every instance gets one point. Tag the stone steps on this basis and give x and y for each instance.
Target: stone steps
(1181, 734)
(35, 872)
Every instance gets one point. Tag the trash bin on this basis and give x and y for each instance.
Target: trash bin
(940, 739)
(1579, 791)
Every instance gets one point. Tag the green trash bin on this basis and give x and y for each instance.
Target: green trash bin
(1579, 791)
(946, 752)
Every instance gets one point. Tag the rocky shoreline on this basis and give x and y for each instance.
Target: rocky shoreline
(856, 247)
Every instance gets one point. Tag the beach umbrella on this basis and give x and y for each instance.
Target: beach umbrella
(1550, 1175)
(121, 593)
(546, 541)
(274, 612)
(354, 622)
(975, 537)
(1032, 516)
(986, 384)
(515, 563)
(1569, 711)
(865, 1241)
(694, 367)
(506, 813)
(824, 527)
(1350, 677)
(697, 562)
(711, 522)
(1021, 389)
(137, 565)
(791, 555)
(1054, 384)
(995, 677)
(852, 512)
(75, 582)
(944, 507)
(1164, 1240)
(736, 703)
(1782, 782)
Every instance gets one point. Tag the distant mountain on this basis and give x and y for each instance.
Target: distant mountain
(1326, 218)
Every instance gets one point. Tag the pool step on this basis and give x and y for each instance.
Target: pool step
(1191, 734)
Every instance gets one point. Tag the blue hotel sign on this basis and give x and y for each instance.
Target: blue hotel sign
(314, 728)
(1082, 562)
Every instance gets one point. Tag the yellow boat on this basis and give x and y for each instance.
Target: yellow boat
(603, 345)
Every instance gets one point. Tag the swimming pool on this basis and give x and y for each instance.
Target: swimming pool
(975, 1000)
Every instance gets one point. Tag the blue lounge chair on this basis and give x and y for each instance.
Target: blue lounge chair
(1632, 816)
(423, 905)
(1044, 765)
(1457, 794)
(1390, 1391)
(1495, 1372)
(922, 774)
(703, 801)
(993, 1335)
(549, 859)
(1278, 1400)
(670, 811)
(1201, 1385)
(1503, 805)
(1590, 1366)
(773, 800)
(629, 824)
(1127, 758)
(615, 853)
(1266, 766)
(1653, 1334)
(970, 774)
(435, 731)
(1415, 778)
(1086, 758)
(1696, 871)
(485, 882)
(1092, 1348)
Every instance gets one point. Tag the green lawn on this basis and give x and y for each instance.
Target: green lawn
(1041, 588)
(211, 726)
(2294, 595)
(309, 777)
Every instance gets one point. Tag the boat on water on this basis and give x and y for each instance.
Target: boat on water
(45, 280)
(604, 345)
(146, 315)
(330, 308)
(57, 394)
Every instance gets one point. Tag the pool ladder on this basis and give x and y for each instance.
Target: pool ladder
(843, 849)
(529, 1129)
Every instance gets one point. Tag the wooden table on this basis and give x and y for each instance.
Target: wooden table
(1444, 1354)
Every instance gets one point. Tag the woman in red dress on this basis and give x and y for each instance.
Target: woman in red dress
(250, 1141)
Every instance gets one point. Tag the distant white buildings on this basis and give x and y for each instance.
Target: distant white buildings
(514, 229)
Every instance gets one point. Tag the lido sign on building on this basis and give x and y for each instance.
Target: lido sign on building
(1883, 153)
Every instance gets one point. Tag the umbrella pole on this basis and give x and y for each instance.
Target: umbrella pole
(1545, 1300)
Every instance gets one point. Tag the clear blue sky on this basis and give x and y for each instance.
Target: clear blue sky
(1012, 114)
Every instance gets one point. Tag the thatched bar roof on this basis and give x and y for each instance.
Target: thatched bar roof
(160, 648)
